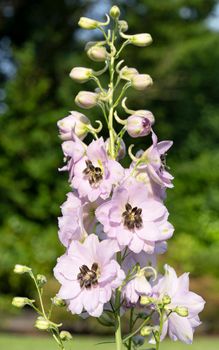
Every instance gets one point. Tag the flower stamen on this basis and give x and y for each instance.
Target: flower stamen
(132, 217)
(93, 173)
(88, 277)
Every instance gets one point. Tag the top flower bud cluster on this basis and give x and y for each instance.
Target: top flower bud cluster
(114, 221)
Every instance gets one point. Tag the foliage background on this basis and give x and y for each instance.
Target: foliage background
(39, 44)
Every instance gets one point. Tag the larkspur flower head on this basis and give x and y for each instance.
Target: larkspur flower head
(88, 274)
(178, 326)
(133, 219)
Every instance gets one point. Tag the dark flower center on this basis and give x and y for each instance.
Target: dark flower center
(88, 277)
(93, 173)
(132, 217)
(146, 123)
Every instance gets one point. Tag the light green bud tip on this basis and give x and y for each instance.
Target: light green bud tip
(87, 23)
(42, 324)
(41, 280)
(21, 302)
(145, 331)
(58, 302)
(166, 299)
(65, 336)
(123, 26)
(115, 12)
(182, 311)
(144, 300)
(20, 269)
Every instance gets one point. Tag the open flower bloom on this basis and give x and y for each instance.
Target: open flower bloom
(177, 288)
(138, 285)
(154, 162)
(73, 151)
(88, 275)
(77, 220)
(134, 219)
(95, 174)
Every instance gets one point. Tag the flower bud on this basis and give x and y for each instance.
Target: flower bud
(42, 324)
(88, 23)
(144, 300)
(58, 302)
(86, 99)
(141, 81)
(97, 53)
(21, 302)
(115, 12)
(182, 311)
(145, 331)
(139, 124)
(123, 26)
(81, 74)
(41, 280)
(127, 73)
(138, 340)
(74, 123)
(143, 39)
(20, 269)
(166, 299)
(65, 336)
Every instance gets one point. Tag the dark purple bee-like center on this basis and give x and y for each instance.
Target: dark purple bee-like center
(132, 217)
(94, 174)
(88, 277)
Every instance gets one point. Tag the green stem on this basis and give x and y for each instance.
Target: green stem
(137, 330)
(40, 296)
(130, 328)
(160, 330)
(118, 331)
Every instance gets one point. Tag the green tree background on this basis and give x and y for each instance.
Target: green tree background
(39, 44)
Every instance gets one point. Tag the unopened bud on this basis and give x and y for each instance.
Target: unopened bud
(127, 73)
(81, 74)
(145, 331)
(88, 23)
(182, 311)
(86, 99)
(115, 12)
(139, 124)
(20, 269)
(58, 302)
(76, 123)
(141, 81)
(97, 53)
(21, 302)
(42, 324)
(138, 340)
(143, 39)
(144, 300)
(123, 26)
(41, 280)
(65, 335)
(166, 299)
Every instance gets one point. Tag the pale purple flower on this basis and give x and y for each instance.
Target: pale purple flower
(138, 285)
(75, 123)
(134, 219)
(95, 174)
(139, 124)
(154, 162)
(73, 151)
(177, 288)
(77, 220)
(88, 274)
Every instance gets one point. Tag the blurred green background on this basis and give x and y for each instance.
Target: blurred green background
(39, 44)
